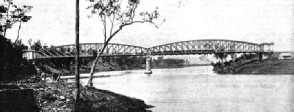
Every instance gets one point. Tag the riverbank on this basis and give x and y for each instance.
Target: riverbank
(268, 66)
(66, 67)
(61, 97)
(252, 65)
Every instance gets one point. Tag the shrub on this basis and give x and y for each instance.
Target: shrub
(12, 65)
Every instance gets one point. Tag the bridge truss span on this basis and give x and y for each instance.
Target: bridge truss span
(90, 50)
(207, 47)
(176, 48)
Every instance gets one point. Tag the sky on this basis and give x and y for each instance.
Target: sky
(257, 21)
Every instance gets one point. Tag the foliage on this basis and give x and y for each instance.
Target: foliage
(11, 14)
(37, 45)
(221, 57)
(13, 66)
(230, 66)
(114, 17)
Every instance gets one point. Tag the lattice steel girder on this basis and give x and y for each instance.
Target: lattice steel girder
(206, 45)
(57, 52)
(183, 47)
(47, 52)
(87, 50)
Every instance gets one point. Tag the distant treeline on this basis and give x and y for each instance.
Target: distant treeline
(168, 63)
(67, 65)
(190, 65)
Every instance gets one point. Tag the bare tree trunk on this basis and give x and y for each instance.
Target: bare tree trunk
(77, 57)
(90, 81)
(17, 33)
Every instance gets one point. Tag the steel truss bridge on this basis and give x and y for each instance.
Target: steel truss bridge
(177, 48)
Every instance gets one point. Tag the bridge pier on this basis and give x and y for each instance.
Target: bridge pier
(260, 56)
(148, 65)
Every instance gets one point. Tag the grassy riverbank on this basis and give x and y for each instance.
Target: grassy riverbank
(252, 65)
(60, 97)
(268, 66)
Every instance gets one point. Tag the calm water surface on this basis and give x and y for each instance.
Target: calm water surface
(195, 89)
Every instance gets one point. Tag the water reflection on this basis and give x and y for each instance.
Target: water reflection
(199, 89)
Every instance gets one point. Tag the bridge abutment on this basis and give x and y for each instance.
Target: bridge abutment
(148, 65)
(29, 54)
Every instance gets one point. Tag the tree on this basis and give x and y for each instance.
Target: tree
(114, 19)
(11, 14)
(13, 66)
(37, 45)
(221, 57)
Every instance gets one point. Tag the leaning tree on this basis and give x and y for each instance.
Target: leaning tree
(114, 18)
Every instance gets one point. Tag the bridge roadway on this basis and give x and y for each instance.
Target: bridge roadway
(207, 46)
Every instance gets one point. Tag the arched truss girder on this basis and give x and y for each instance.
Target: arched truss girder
(205, 47)
(208, 46)
(89, 49)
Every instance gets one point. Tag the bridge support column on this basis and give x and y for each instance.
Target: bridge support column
(148, 65)
(260, 56)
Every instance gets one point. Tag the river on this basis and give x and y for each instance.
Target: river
(194, 89)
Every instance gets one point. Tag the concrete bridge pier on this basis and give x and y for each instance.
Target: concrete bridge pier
(148, 65)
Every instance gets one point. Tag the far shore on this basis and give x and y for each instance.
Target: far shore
(269, 66)
(98, 74)
(112, 73)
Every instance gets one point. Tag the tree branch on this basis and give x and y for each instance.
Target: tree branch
(111, 24)
(126, 24)
(104, 31)
(121, 27)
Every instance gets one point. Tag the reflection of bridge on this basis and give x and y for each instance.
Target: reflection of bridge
(177, 48)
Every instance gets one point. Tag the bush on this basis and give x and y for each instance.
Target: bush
(47, 96)
(12, 65)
